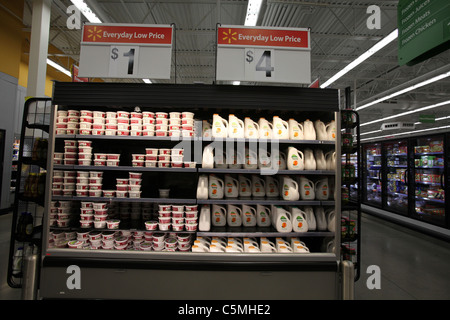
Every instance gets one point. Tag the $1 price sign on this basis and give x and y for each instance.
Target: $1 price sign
(123, 61)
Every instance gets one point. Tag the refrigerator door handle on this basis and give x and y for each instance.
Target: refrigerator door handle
(442, 180)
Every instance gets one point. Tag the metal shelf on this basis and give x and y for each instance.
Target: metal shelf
(115, 199)
(264, 201)
(257, 232)
(122, 168)
(268, 170)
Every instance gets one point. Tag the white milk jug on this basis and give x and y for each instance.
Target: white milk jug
(306, 188)
(219, 127)
(235, 127)
(202, 187)
(204, 221)
(264, 159)
(238, 159)
(262, 216)
(280, 128)
(208, 157)
(322, 189)
(216, 186)
(320, 219)
(206, 129)
(283, 221)
(251, 159)
(279, 160)
(220, 160)
(330, 158)
(218, 216)
(290, 189)
(295, 159)
(321, 130)
(245, 186)
(331, 130)
(234, 216)
(265, 129)
(251, 129)
(299, 222)
(248, 216)
(258, 186)
(231, 187)
(310, 161)
(310, 218)
(308, 130)
(295, 130)
(331, 222)
(272, 187)
(321, 163)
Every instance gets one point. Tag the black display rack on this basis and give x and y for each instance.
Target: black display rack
(351, 187)
(30, 186)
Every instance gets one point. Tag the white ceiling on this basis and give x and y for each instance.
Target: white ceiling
(339, 34)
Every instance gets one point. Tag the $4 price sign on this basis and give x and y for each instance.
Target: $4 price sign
(123, 61)
(259, 64)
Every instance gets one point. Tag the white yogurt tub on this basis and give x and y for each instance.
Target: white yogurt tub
(150, 163)
(163, 164)
(191, 227)
(161, 115)
(95, 174)
(134, 194)
(112, 121)
(87, 217)
(95, 180)
(111, 115)
(84, 156)
(84, 162)
(99, 114)
(148, 133)
(86, 119)
(86, 113)
(123, 114)
(121, 194)
(100, 217)
(123, 132)
(84, 143)
(148, 114)
(85, 125)
(176, 164)
(113, 224)
(85, 150)
(110, 132)
(161, 127)
(122, 181)
(190, 164)
(164, 226)
(99, 163)
(150, 127)
(112, 163)
(61, 131)
(86, 224)
(134, 188)
(134, 182)
(162, 121)
(95, 193)
(187, 133)
(123, 126)
(82, 186)
(174, 133)
(135, 133)
(95, 186)
(187, 115)
(135, 175)
(109, 193)
(98, 121)
(177, 226)
(98, 132)
(62, 113)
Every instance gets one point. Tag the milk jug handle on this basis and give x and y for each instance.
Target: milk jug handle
(300, 125)
(221, 182)
(256, 125)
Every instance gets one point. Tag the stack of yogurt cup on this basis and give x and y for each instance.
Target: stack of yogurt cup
(95, 183)
(70, 152)
(67, 122)
(148, 123)
(187, 124)
(123, 123)
(98, 123)
(86, 121)
(69, 184)
(110, 123)
(84, 152)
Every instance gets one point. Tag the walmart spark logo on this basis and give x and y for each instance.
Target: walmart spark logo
(94, 33)
(229, 36)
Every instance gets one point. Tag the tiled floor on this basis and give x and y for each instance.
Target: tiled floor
(413, 266)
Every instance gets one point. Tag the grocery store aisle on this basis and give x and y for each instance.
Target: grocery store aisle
(413, 266)
(6, 293)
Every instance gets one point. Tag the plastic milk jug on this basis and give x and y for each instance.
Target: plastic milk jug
(290, 189)
(272, 187)
(322, 189)
(202, 187)
(218, 215)
(235, 127)
(280, 128)
(265, 129)
(283, 220)
(245, 186)
(299, 222)
(295, 159)
(310, 218)
(231, 187)
(310, 161)
(331, 130)
(295, 130)
(308, 130)
(320, 219)
(204, 221)
(208, 157)
(248, 216)
(251, 129)
(234, 216)
(219, 127)
(258, 186)
(216, 186)
(306, 189)
(262, 216)
(321, 131)
(321, 163)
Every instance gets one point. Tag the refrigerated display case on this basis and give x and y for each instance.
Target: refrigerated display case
(372, 177)
(175, 274)
(397, 176)
(413, 175)
(429, 185)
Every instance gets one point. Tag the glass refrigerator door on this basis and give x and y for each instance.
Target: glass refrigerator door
(372, 174)
(429, 180)
(396, 174)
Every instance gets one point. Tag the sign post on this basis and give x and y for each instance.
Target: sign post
(279, 55)
(126, 51)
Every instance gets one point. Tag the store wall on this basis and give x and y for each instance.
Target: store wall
(14, 55)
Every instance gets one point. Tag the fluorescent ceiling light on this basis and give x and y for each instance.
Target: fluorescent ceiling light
(58, 67)
(252, 12)
(236, 83)
(366, 55)
(147, 81)
(413, 87)
(86, 11)
(408, 132)
(408, 112)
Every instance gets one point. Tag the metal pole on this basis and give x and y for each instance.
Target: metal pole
(29, 284)
(348, 280)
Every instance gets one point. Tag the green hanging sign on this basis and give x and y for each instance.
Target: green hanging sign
(427, 118)
(423, 29)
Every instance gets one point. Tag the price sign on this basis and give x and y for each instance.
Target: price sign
(126, 51)
(263, 54)
(122, 61)
(259, 64)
